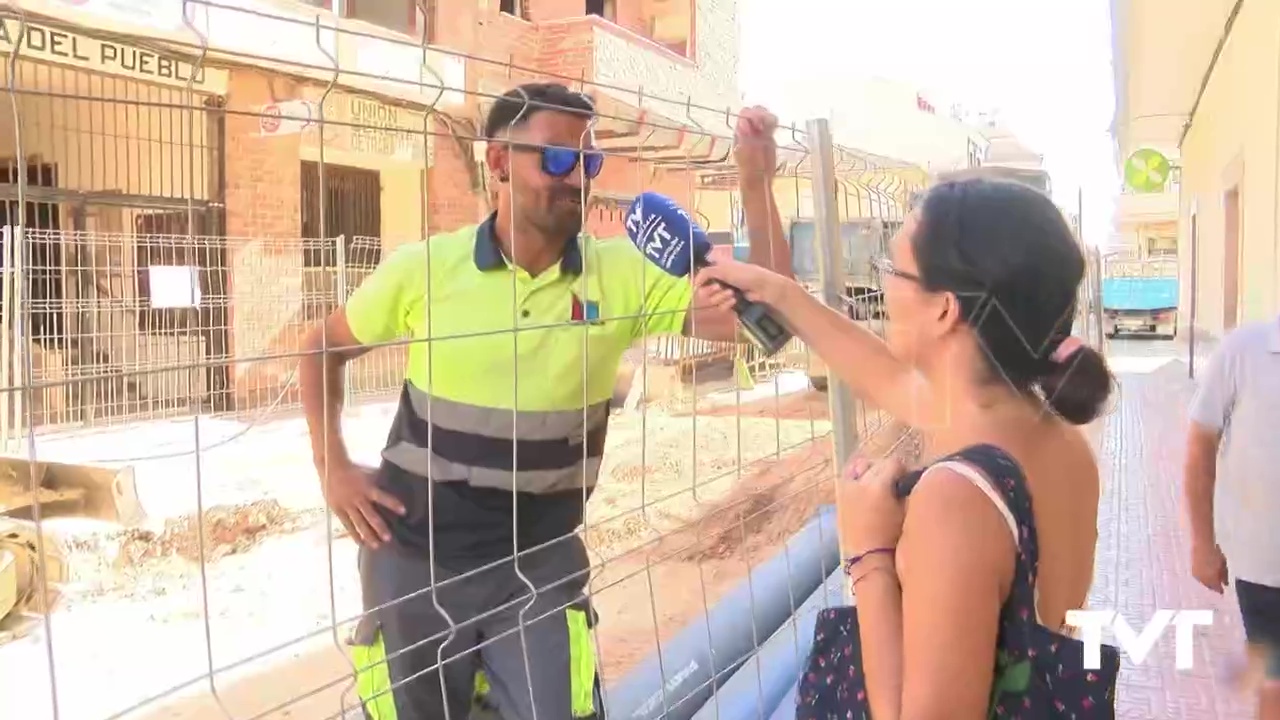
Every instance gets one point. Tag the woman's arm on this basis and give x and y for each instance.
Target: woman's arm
(855, 354)
(879, 600)
(956, 565)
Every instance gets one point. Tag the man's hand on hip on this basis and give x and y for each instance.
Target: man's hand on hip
(351, 493)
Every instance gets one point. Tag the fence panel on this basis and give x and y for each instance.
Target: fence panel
(172, 244)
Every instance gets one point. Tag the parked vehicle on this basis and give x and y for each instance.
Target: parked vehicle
(1140, 297)
(863, 240)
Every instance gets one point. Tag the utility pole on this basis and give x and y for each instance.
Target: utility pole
(1080, 213)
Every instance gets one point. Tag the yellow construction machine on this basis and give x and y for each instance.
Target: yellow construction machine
(53, 490)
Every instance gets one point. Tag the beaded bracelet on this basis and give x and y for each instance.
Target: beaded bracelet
(853, 581)
(850, 562)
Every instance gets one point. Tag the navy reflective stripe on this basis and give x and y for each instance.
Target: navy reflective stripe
(504, 423)
(563, 453)
(494, 453)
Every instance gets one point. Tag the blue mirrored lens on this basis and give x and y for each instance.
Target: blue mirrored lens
(592, 164)
(559, 162)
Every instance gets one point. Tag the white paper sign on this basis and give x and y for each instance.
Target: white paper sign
(174, 286)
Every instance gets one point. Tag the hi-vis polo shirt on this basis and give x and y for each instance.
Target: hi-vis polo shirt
(495, 393)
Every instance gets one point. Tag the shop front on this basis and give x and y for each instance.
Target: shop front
(314, 200)
(109, 166)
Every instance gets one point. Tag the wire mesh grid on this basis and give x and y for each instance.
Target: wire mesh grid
(168, 244)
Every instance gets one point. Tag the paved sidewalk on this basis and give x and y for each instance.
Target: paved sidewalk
(1143, 549)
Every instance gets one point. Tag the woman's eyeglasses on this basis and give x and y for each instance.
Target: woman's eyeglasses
(560, 162)
(884, 266)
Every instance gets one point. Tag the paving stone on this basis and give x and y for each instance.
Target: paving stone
(1142, 561)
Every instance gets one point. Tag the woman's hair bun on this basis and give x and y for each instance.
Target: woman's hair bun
(1077, 387)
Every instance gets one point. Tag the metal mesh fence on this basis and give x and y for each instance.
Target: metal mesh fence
(182, 205)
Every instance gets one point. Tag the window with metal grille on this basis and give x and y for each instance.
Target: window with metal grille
(45, 265)
(512, 7)
(352, 223)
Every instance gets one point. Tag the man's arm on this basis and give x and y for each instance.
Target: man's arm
(329, 346)
(374, 314)
(757, 158)
(769, 246)
(1210, 412)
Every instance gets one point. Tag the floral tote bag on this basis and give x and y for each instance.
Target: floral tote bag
(1039, 672)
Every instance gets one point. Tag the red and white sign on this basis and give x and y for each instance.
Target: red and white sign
(287, 118)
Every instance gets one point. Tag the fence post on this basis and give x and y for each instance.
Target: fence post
(830, 261)
(1099, 315)
(9, 341)
(17, 328)
(1195, 293)
(340, 298)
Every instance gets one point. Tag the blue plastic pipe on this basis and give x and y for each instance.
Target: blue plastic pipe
(787, 708)
(673, 685)
(758, 687)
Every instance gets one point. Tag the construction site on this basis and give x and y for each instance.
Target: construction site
(184, 200)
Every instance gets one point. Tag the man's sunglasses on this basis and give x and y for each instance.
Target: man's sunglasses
(560, 162)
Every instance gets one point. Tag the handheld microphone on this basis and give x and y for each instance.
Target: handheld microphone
(666, 235)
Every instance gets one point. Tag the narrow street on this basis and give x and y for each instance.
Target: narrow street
(1142, 547)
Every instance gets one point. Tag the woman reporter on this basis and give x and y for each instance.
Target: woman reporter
(980, 288)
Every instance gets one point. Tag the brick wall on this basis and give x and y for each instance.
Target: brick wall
(451, 203)
(264, 246)
(627, 178)
(629, 14)
(561, 51)
(567, 49)
(263, 175)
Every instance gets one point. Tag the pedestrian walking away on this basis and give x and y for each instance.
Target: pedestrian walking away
(472, 573)
(1232, 491)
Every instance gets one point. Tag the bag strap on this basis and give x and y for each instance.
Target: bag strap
(985, 483)
(1000, 477)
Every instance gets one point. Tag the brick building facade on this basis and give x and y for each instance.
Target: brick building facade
(553, 40)
(268, 260)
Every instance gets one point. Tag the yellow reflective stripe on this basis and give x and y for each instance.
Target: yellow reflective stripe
(481, 690)
(582, 664)
(373, 680)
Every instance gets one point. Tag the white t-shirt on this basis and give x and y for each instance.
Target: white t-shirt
(1239, 396)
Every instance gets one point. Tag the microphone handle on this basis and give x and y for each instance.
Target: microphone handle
(740, 301)
(761, 327)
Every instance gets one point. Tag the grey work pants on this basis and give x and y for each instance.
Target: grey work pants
(539, 672)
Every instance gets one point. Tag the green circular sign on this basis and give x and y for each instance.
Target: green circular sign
(1147, 171)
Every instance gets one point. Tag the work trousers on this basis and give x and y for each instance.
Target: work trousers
(424, 652)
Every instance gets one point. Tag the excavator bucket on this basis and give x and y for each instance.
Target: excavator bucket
(21, 586)
(68, 490)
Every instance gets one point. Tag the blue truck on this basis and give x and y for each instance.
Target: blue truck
(1140, 297)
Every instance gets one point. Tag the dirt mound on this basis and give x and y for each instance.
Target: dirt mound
(773, 505)
(228, 530)
(648, 594)
(808, 405)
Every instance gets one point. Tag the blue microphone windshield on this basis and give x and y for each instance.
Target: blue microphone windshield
(665, 233)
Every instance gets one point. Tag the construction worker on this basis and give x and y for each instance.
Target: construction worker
(497, 441)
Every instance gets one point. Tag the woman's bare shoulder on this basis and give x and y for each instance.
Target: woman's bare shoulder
(1071, 459)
